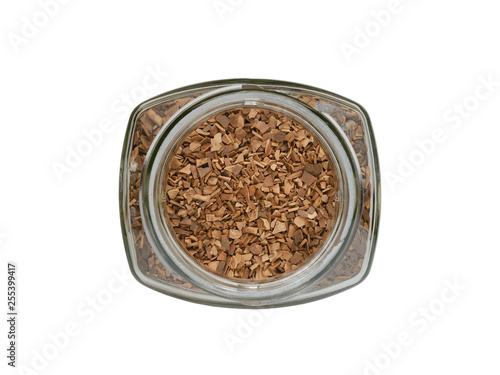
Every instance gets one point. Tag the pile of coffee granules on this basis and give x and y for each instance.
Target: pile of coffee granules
(251, 194)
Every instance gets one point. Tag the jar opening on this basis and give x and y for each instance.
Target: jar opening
(156, 186)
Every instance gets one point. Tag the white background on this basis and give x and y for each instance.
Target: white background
(439, 222)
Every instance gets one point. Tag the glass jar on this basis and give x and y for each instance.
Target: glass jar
(156, 130)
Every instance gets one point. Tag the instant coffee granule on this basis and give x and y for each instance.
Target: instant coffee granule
(251, 194)
(148, 126)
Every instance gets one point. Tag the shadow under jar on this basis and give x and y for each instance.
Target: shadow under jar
(249, 193)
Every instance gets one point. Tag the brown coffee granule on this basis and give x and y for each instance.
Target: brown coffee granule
(251, 194)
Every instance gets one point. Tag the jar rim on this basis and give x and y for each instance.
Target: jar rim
(259, 292)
